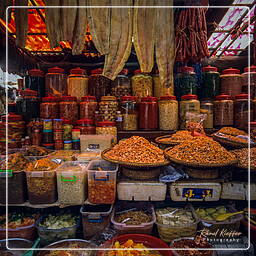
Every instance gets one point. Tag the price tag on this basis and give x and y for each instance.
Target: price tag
(101, 176)
(197, 193)
(93, 146)
(4, 173)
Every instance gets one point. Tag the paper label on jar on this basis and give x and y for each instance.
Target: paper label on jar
(93, 146)
(37, 174)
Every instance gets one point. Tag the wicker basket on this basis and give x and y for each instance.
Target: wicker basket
(141, 174)
(229, 143)
(202, 173)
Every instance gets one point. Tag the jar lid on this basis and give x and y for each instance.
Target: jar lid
(106, 123)
(250, 69)
(223, 97)
(253, 124)
(66, 121)
(124, 71)
(88, 98)
(97, 71)
(12, 117)
(137, 71)
(78, 71)
(28, 92)
(231, 71)
(36, 72)
(67, 141)
(108, 98)
(48, 144)
(189, 97)
(56, 70)
(187, 69)
(75, 130)
(168, 97)
(149, 98)
(242, 96)
(68, 98)
(209, 69)
(128, 97)
(84, 121)
(49, 99)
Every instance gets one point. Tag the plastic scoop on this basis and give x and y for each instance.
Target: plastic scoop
(225, 216)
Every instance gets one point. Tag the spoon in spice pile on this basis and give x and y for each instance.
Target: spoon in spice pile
(225, 216)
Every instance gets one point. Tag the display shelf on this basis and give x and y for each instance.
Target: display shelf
(40, 206)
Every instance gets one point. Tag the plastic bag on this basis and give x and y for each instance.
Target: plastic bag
(194, 122)
(170, 174)
(106, 235)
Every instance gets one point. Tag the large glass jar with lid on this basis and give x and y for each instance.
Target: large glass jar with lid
(28, 104)
(121, 86)
(223, 111)
(77, 83)
(142, 84)
(88, 106)
(35, 81)
(231, 83)
(98, 85)
(159, 88)
(107, 108)
(56, 82)
(148, 113)
(69, 108)
(49, 108)
(207, 108)
(249, 75)
(129, 110)
(168, 113)
(107, 128)
(210, 87)
(86, 126)
(186, 82)
(189, 103)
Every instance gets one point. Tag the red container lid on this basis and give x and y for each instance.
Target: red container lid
(58, 130)
(50, 99)
(250, 69)
(125, 71)
(85, 121)
(253, 124)
(48, 144)
(223, 97)
(78, 71)
(66, 121)
(97, 71)
(189, 97)
(36, 72)
(168, 97)
(68, 98)
(106, 123)
(231, 71)
(88, 98)
(242, 96)
(128, 98)
(75, 130)
(28, 92)
(187, 69)
(209, 69)
(12, 117)
(56, 70)
(149, 99)
(137, 71)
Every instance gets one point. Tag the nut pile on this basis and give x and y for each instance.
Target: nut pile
(242, 156)
(107, 108)
(232, 131)
(177, 137)
(201, 150)
(136, 150)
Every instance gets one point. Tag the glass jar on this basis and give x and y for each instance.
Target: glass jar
(67, 130)
(249, 75)
(231, 82)
(67, 145)
(107, 108)
(142, 84)
(76, 144)
(58, 135)
(86, 126)
(159, 88)
(69, 108)
(253, 131)
(34, 124)
(168, 113)
(77, 83)
(49, 108)
(35, 81)
(47, 136)
(28, 104)
(129, 110)
(210, 83)
(57, 124)
(88, 106)
(47, 124)
(58, 144)
(188, 103)
(121, 86)
(148, 113)
(186, 82)
(98, 85)
(241, 111)
(223, 111)
(48, 145)
(119, 121)
(36, 137)
(107, 128)
(56, 82)
(207, 108)
(76, 134)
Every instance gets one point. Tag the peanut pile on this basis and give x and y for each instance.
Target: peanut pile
(242, 156)
(232, 131)
(136, 150)
(201, 150)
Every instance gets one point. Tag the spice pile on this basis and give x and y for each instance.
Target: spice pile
(42, 165)
(201, 150)
(16, 162)
(136, 150)
(232, 131)
(242, 157)
(177, 137)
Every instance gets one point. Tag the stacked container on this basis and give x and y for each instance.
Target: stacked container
(69, 108)
(249, 76)
(35, 81)
(121, 86)
(88, 106)
(49, 108)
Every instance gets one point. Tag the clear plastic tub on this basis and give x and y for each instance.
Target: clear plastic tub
(95, 218)
(143, 228)
(101, 182)
(71, 183)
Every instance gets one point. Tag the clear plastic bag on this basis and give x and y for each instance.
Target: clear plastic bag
(194, 122)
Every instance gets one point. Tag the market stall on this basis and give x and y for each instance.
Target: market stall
(132, 131)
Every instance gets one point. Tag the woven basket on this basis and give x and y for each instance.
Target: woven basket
(141, 174)
(202, 173)
(229, 143)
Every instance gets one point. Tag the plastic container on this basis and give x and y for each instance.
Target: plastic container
(76, 144)
(142, 84)
(49, 108)
(77, 83)
(95, 219)
(67, 130)
(35, 81)
(69, 108)
(129, 110)
(42, 187)
(85, 126)
(57, 124)
(71, 183)
(101, 182)
(107, 128)
(58, 135)
(47, 136)
(249, 75)
(56, 82)
(159, 89)
(47, 124)
(207, 108)
(231, 82)
(143, 228)
(67, 145)
(88, 106)
(121, 86)
(148, 113)
(107, 108)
